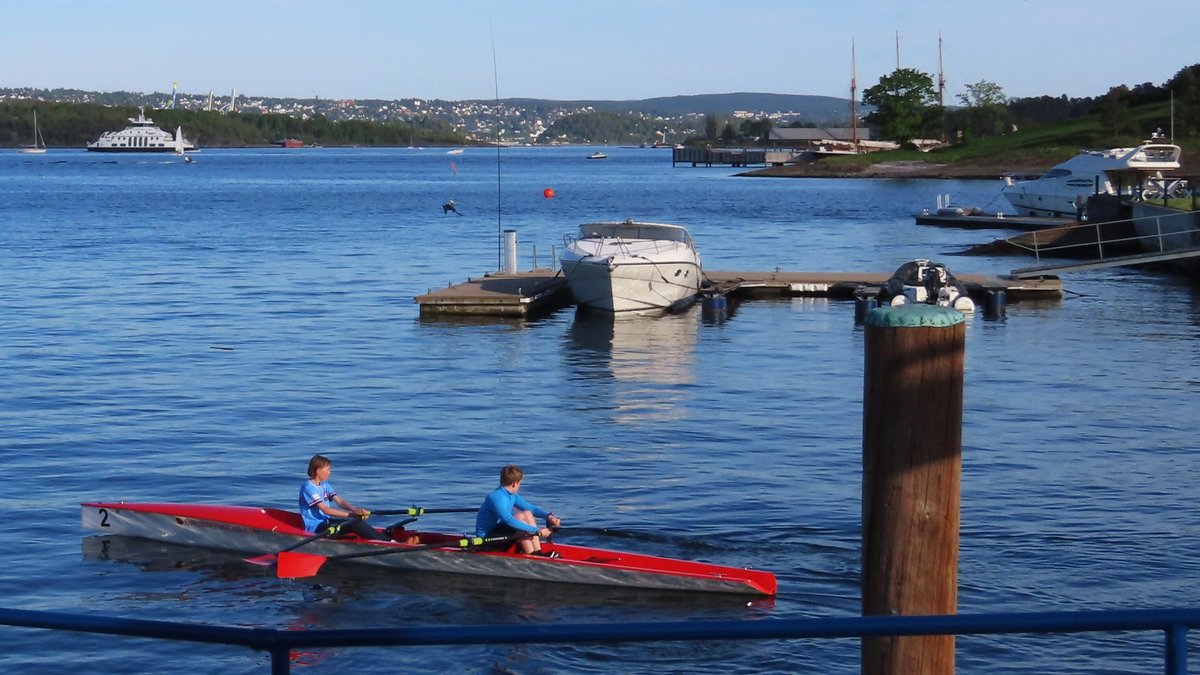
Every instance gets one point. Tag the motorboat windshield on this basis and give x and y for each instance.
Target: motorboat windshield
(629, 231)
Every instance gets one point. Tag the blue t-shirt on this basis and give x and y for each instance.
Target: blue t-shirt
(498, 508)
(311, 498)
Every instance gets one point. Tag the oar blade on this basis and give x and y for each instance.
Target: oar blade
(264, 560)
(294, 565)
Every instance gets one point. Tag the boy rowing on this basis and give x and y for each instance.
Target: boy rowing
(322, 507)
(505, 513)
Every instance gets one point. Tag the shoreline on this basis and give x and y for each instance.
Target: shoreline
(895, 169)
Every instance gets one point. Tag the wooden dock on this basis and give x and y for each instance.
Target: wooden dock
(518, 295)
(533, 293)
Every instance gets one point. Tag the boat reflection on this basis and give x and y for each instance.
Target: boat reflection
(427, 590)
(646, 359)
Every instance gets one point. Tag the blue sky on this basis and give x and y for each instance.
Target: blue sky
(584, 49)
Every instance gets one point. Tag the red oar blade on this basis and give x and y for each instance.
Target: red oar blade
(264, 560)
(294, 565)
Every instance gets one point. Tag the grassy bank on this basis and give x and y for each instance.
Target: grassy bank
(1026, 151)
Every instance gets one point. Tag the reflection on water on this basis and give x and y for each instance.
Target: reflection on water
(338, 583)
(646, 358)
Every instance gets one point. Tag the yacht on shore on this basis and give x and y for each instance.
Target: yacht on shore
(141, 136)
(1062, 191)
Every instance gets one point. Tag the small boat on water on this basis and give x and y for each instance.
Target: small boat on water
(257, 530)
(921, 281)
(1062, 191)
(39, 143)
(632, 266)
(597, 155)
(141, 136)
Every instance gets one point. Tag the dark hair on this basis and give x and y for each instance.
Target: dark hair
(317, 463)
(511, 475)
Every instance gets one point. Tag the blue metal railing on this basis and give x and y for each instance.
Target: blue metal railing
(1173, 622)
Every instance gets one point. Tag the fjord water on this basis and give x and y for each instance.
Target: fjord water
(194, 332)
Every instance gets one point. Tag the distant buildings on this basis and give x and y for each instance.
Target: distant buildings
(512, 120)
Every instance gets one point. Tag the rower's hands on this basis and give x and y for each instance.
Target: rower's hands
(361, 513)
(544, 532)
(553, 521)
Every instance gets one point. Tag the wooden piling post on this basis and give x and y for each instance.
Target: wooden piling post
(912, 471)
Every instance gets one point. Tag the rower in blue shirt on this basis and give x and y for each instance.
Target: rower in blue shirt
(506, 513)
(322, 507)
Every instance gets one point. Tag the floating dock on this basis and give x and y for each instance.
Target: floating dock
(539, 291)
(997, 221)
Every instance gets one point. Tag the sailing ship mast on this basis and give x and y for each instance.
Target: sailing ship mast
(853, 98)
(941, 75)
(941, 87)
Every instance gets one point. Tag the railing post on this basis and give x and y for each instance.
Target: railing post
(912, 475)
(281, 661)
(1175, 658)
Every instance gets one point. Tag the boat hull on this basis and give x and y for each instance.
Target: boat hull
(92, 148)
(631, 285)
(259, 530)
(632, 266)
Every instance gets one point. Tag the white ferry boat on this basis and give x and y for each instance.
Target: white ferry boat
(141, 136)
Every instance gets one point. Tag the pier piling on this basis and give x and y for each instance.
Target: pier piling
(912, 471)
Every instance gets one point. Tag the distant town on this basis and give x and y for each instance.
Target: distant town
(518, 121)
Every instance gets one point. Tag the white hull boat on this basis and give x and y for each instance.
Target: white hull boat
(632, 266)
(1062, 192)
(142, 136)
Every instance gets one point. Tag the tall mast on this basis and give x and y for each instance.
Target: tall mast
(853, 97)
(897, 50)
(941, 84)
(941, 75)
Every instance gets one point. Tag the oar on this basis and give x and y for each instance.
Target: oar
(267, 559)
(294, 565)
(419, 511)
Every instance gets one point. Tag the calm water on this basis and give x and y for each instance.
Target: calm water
(176, 332)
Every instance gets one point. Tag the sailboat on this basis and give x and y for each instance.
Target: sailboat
(39, 143)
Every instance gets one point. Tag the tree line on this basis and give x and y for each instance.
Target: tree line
(906, 106)
(77, 124)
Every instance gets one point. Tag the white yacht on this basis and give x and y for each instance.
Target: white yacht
(631, 266)
(1062, 192)
(141, 136)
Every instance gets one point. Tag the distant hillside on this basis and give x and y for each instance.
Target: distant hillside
(814, 109)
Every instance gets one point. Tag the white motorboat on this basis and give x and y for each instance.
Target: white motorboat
(632, 266)
(39, 143)
(141, 136)
(1062, 191)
